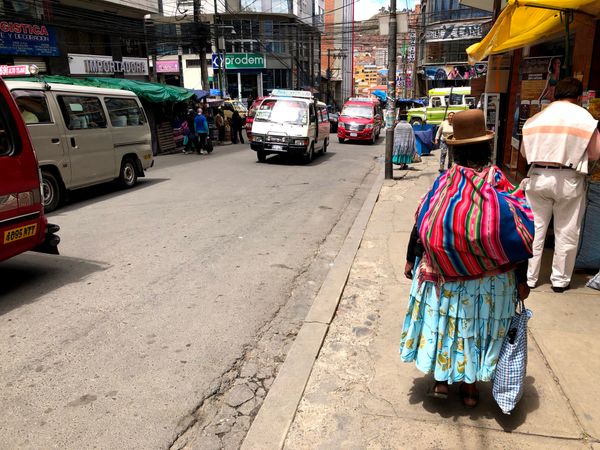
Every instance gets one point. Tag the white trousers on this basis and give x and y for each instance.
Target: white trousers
(558, 192)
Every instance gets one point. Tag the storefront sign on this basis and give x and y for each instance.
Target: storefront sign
(454, 32)
(239, 61)
(18, 38)
(167, 66)
(7, 71)
(105, 65)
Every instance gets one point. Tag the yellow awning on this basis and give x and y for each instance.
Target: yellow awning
(526, 22)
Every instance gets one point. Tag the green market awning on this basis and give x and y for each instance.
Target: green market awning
(152, 92)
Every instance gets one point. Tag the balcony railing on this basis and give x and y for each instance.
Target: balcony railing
(455, 14)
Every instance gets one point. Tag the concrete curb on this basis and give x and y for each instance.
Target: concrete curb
(270, 427)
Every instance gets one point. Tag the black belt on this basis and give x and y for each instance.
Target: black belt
(540, 166)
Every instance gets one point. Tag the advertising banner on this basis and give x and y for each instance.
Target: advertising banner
(167, 66)
(8, 71)
(454, 32)
(539, 76)
(461, 72)
(17, 38)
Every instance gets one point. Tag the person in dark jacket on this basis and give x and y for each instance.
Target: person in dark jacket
(237, 124)
(190, 138)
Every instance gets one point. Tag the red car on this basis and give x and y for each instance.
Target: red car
(361, 119)
(250, 116)
(23, 225)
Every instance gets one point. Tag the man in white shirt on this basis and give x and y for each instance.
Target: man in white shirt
(558, 142)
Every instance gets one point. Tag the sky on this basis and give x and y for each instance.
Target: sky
(363, 9)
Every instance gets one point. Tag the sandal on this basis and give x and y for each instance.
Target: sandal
(469, 399)
(434, 392)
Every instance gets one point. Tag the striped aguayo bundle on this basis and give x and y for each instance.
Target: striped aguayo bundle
(474, 224)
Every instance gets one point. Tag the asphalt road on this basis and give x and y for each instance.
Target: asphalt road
(159, 289)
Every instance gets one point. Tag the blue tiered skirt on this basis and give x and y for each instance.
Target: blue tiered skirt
(457, 336)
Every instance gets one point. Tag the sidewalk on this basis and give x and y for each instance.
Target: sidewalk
(359, 395)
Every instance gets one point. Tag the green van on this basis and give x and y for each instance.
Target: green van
(441, 102)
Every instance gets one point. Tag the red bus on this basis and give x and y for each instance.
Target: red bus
(23, 225)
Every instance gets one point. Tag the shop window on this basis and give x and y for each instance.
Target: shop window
(280, 6)
(82, 112)
(7, 125)
(33, 106)
(124, 112)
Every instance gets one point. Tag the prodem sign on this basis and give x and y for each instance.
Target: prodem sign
(239, 61)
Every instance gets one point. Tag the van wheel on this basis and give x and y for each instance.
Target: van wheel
(128, 175)
(50, 191)
(261, 156)
(310, 155)
(341, 140)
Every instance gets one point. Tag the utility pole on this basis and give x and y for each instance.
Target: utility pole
(218, 51)
(329, 76)
(201, 47)
(390, 112)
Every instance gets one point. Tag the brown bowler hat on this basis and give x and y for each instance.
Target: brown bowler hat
(469, 128)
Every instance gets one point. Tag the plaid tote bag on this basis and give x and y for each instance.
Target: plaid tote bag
(512, 362)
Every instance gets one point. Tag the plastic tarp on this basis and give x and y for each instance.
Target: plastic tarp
(380, 95)
(526, 22)
(152, 92)
(424, 138)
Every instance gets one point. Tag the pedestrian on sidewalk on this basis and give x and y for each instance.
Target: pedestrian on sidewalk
(237, 124)
(467, 259)
(220, 124)
(201, 127)
(444, 130)
(559, 142)
(404, 143)
(190, 138)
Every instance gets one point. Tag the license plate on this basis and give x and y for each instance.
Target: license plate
(19, 233)
(353, 134)
(276, 147)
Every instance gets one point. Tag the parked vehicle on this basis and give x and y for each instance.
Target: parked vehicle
(403, 105)
(250, 116)
(334, 116)
(23, 225)
(291, 123)
(84, 136)
(442, 101)
(234, 105)
(361, 119)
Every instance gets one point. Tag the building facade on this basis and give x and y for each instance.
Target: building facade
(265, 45)
(77, 38)
(446, 29)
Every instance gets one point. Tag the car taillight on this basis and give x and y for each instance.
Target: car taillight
(25, 199)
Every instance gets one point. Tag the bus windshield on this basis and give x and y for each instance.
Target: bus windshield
(282, 111)
(365, 112)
